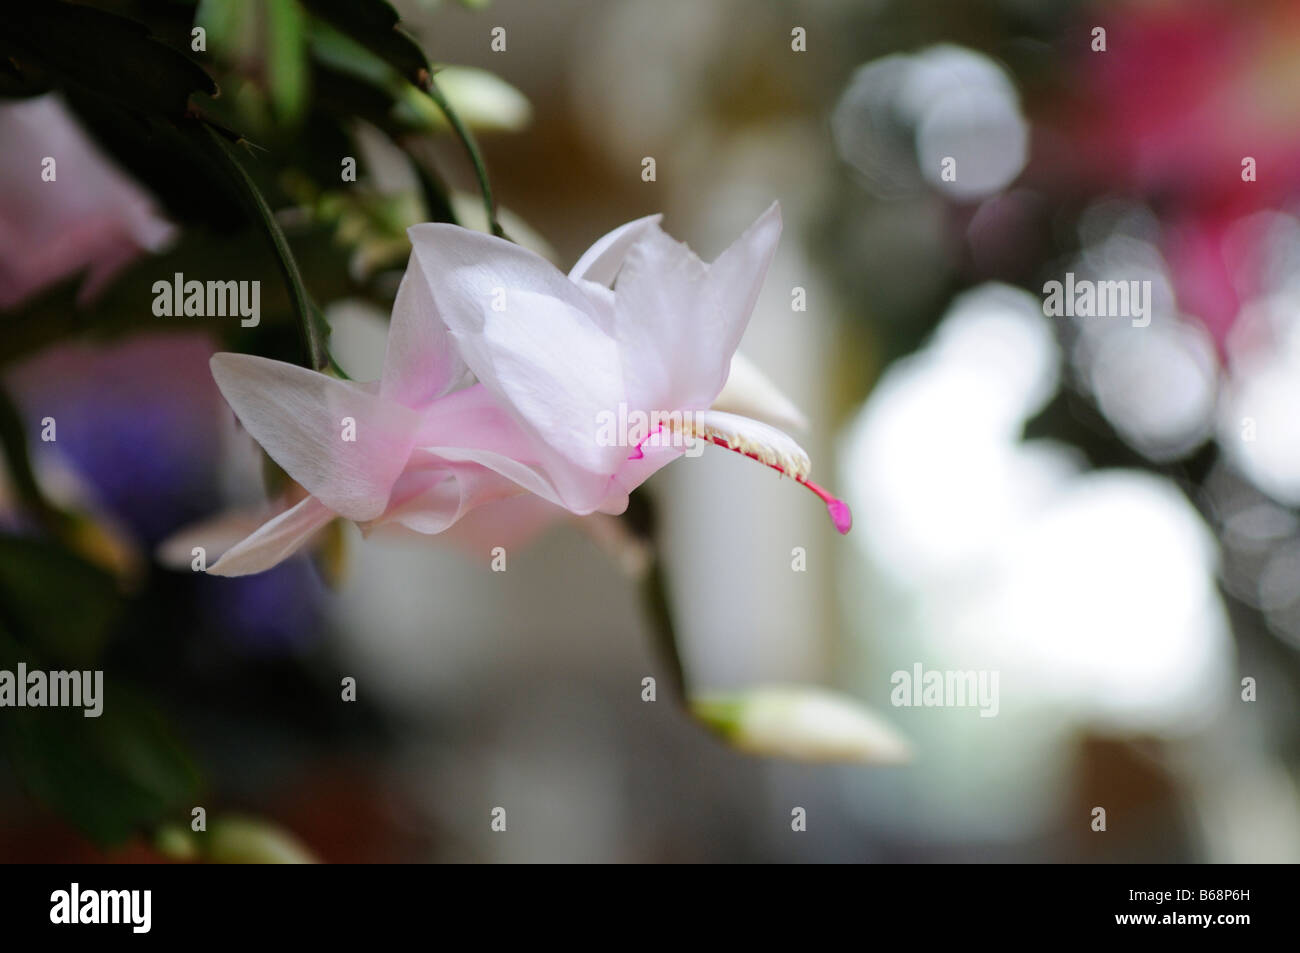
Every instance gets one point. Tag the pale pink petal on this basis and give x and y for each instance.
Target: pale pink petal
(473, 417)
(534, 340)
(532, 478)
(275, 541)
(644, 462)
(421, 362)
(214, 535)
(301, 417)
(470, 425)
(433, 495)
(514, 522)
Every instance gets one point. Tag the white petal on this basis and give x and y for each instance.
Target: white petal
(275, 541)
(750, 393)
(679, 321)
(299, 417)
(533, 339)
(737, 274)
(601, 262)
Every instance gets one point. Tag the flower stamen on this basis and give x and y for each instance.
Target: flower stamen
(787, 461)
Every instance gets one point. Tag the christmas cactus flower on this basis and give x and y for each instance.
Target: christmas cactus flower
(502, 375)
(640, 330)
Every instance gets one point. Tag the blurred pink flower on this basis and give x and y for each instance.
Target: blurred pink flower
(1183, 94)
(1206, 272)
(89, 217)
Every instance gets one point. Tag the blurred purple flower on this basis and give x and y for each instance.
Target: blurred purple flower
(138, 420)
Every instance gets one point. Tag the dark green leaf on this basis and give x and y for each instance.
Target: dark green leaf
(95, 50)
(111, 776)
(55, 602)
(222, 153)
(373, 24)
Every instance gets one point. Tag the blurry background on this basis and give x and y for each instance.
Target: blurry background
(1104, 514)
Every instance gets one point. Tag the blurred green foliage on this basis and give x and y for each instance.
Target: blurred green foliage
(240, 133)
